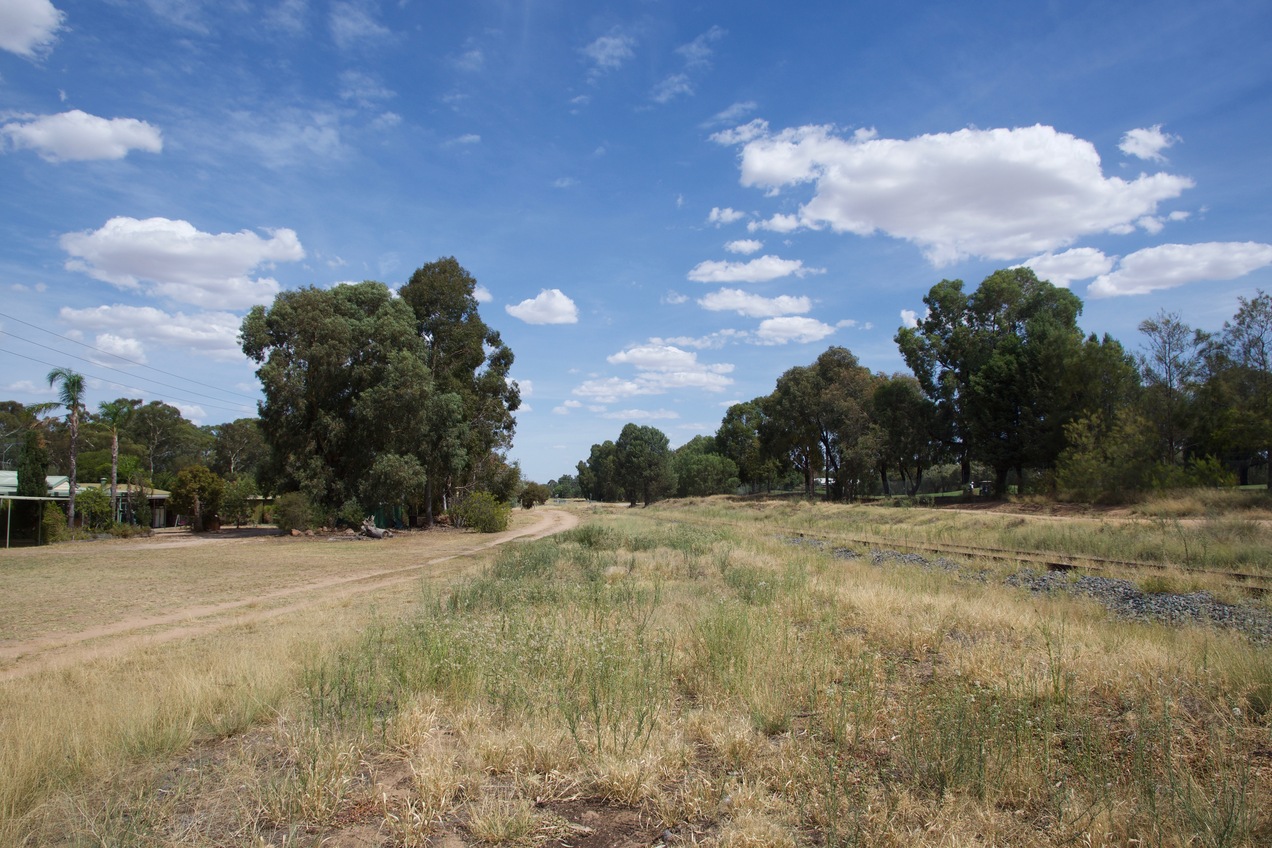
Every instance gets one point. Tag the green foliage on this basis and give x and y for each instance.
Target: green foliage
(239, 449)
(380, 398)
(480, 511)
(53, 522)
(994, 361)
(699, 474)
(643, 463)
(197, 493)
(166, 442)
(33, 465)
(236, 504)
(294, 511)
(534, 493)
(93, 507)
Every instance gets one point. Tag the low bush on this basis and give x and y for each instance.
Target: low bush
(293, 511)
(482, 512)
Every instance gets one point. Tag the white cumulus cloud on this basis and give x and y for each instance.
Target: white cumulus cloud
(759, 270)
(174, 260)
(660, 368)
(779, 331)
(744, 246)
(211, 334)
(726, 215)
(1147, 143)
(29, 27)
(79, 136)
(119, 346)
(550, 306)
(754, 305)
(1061, 269)
(1169, 266)
(996, 193)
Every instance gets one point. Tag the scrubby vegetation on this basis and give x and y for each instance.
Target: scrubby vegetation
(718, 686)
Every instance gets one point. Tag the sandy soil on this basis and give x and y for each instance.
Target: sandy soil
(433, 554)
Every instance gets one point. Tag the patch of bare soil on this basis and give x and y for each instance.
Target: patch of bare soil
(22, 657)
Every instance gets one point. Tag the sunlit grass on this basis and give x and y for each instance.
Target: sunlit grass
(688, 663)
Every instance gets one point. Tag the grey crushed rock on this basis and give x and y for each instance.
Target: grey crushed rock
(1119, 596)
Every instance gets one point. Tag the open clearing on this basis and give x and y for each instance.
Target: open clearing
(69, 603)
(681, 674)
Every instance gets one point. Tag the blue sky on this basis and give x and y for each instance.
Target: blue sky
(666, 204)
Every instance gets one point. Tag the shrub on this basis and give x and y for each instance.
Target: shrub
(482, 512)
(54, 521)
(93, 508)
(293, 511)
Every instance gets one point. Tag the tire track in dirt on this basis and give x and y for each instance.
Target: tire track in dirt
(44, 652)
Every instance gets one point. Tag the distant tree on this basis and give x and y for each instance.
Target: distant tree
(566, 486)
(113, 416)
(239, 447)
(15, 420)
(499, 477)
(33, 465)
(197, 493)
(995, 362)
(469, 360)
(1171, 368)
(534, 493)
(95, 509)
(700, 471)
(599, 476)
(1246, 346)
(167, 440)
(908, 430)
(643, 463)
(70, 386)
(789, 435)
(738, 439)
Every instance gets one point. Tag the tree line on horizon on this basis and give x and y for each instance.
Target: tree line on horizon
(1005, 389)
(373, 398)
(377, 398)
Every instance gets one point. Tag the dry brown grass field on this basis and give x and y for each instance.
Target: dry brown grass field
(683, 674)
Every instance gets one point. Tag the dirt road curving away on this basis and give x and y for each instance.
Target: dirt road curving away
(433, 555)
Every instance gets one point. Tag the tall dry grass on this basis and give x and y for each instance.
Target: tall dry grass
(733, 690)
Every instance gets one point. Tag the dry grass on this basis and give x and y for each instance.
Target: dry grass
(644, 676)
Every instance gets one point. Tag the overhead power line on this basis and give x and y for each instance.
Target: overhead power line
(116, 382)
(123, 359)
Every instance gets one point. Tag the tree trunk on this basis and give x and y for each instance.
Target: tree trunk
(114, 474)
(70, 518)
(883, 478)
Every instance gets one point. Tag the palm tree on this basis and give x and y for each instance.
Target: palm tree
(115, 415)
(71, 395)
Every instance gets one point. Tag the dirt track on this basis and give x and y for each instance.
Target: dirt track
(22, 657)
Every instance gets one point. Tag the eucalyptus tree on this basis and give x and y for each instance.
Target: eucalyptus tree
(114, 415)
(994, 361)
(1172, 366)
(350, 401)
(643, 463)
(70, 393)
(1245, 350)
(908, 430)
(469, 360)
(738, 439)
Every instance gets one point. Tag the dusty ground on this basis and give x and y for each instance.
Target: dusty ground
(69, 603)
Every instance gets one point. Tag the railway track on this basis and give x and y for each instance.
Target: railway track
(1253, 584)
